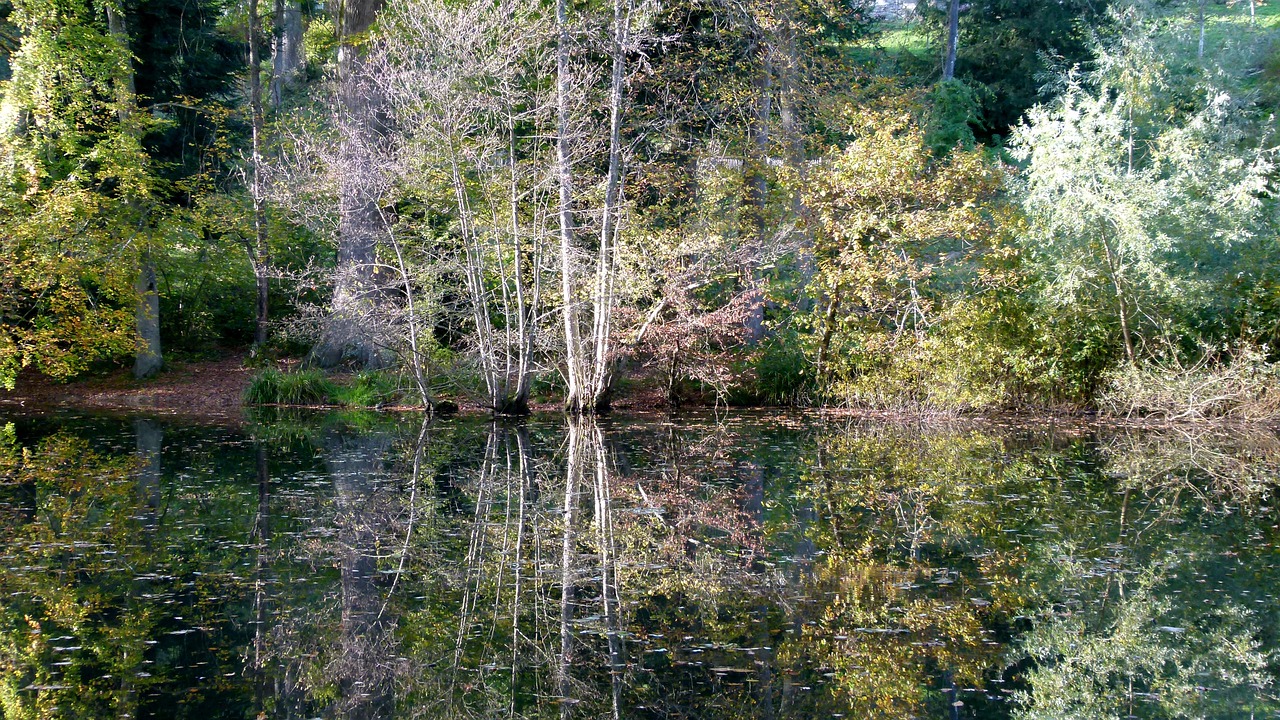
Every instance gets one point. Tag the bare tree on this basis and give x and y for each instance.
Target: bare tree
(588, 359)
(460, 79)
(399, 286)
(258, 252)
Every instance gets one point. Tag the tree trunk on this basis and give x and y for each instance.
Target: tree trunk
(1122, 304)
(793, 138)
(953, 40)
(573, 371)
(148, 358)
(603, 305)
(348, 337)
(1200, 51)
(286, 56)
(147, 313)
(757, 181)
(828, 331)
(258, 254)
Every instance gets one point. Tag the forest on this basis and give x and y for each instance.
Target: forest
(929, 206)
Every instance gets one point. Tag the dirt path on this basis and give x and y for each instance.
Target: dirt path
(209, 389)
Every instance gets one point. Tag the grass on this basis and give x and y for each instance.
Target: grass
(369, 389)
(303, 387)
(312, 387)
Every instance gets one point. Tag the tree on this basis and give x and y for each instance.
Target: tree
(894, 227)
(1008, 46)
(473, 148)
(953, 40)
(287, 61)
(1132, 197)
(78, 191)
(149, 358)
(258, 250)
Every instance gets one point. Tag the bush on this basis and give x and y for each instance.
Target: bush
(1242, 387)
(781, 373)
(304, 387)
(936, 373)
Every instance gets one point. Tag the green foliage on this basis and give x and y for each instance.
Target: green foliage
(75, 193)
(780, 371)
(956, 366)
(319, 43)
(365, 389)
(301, 387)
(1008, 47)
(900, 238)
(369, 388)
(1141, 655)
(951, 115)
(1141, 191)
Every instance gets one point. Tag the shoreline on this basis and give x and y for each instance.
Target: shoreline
(213, 390)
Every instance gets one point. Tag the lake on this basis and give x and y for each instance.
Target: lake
(741, 566)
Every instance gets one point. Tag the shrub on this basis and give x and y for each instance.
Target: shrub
(782, 374)
(1242, 387)
(936, 373)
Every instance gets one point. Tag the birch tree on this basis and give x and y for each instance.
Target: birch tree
(588, 289)
(257, 248)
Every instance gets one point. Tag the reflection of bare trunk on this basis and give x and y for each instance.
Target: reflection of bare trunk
(262, 533)
(573, 480)
(364, 681)
(608, 567)
(523, 477)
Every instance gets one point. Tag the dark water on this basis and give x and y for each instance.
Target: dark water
(359, 567)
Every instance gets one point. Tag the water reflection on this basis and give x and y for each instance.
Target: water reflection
(358, 567)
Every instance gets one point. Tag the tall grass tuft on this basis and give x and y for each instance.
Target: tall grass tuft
(304, 387)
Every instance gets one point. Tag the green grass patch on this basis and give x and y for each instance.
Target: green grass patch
(304, 387)
(370, 389)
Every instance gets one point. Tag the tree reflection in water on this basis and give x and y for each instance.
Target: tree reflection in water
(356, 567)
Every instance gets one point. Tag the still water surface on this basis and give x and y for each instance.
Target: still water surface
(357, 566)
